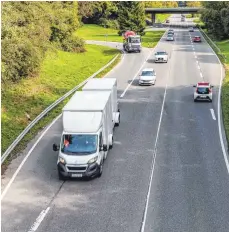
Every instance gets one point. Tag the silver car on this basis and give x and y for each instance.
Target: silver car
(170, 37)
(147, 77)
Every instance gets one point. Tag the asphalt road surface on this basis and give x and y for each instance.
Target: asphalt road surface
(165, 173)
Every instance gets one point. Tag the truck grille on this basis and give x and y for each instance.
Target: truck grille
(77, 168)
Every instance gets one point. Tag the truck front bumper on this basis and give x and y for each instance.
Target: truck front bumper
(91, 171)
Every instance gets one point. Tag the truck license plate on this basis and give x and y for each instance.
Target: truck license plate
(77, 175)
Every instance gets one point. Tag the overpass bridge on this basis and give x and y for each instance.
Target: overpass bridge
(175, 10)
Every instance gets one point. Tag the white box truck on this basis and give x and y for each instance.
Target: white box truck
(87, 135)
(106, 84)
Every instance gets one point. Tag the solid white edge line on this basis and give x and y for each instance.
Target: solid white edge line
(201, 75)
(39, 219)
(213, 114)
(128, 86)
(155, 154)
(219, 109)
(26, 157)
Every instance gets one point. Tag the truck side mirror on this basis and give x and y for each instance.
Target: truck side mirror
(104, 147)
(212, 86)
(55, 147)
(194, 85)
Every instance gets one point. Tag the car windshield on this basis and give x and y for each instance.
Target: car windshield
(148, 73)
(79, 144)
(203, 90)
(161, 53)
(135, 40)
(170, 35)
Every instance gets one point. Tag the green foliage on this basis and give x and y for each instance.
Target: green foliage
(92, 12)
(109, 23)
(131, 16)
(215, 16)
(193, 4)
(60, 72)
(72, 44)
(160, 4)
(29, 29)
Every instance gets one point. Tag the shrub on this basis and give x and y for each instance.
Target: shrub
(73, 44)
(109, 23)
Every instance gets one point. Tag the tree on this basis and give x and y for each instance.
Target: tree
(131, 16)
(193, 4)
(215, 17)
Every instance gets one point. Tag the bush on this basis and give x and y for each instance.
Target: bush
(73, 44)
(109, 23)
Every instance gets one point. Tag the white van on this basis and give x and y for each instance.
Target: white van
(87, 135)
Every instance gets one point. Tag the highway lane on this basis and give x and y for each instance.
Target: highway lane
(36, 187)
(190, 186)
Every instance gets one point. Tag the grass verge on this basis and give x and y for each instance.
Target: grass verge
(224, 57)
(160, 18)
(60, 72)
(95, 32)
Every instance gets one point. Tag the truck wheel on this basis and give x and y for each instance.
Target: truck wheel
(117, 124)
(111, 146)
(100, 170)
(61, 177)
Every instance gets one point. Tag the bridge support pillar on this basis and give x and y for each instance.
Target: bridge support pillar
(153, 18)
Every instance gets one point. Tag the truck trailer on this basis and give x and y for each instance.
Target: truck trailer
(106, 84)
(87, 135)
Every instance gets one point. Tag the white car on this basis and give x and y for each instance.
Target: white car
(191, 29)
(161, 56)
(203, 92)
(147, 77)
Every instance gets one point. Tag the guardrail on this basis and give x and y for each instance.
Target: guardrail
(49, 108)
(217, 48)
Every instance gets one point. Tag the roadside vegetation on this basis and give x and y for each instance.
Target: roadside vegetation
(96, 32)
(23, 101)
(215, 21)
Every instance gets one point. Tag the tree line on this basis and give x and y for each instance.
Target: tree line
(215, 16)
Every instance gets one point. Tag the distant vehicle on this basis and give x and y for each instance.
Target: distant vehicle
(191, 29)
(203, 92)
(132, 42)
(196, 39)
(170, 37)
(161, 57)
(147, 77)
(167, 21)
(171, 31)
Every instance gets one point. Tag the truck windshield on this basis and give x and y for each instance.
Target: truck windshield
(79, 144)
(135, 40)
(161, 53)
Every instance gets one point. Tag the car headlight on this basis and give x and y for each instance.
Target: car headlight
(93, 160)
(61, 160)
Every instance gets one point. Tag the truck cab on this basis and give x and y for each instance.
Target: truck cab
(132, 43)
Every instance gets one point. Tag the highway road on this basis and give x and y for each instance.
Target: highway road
(165, 173)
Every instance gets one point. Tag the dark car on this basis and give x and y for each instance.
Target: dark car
(196, 39)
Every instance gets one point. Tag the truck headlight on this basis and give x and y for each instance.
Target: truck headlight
(61, 160)
(93, 160)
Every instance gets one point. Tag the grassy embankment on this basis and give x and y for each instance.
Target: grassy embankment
(59, 73)
(224, 57)
(95, 32)
(224, 47)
